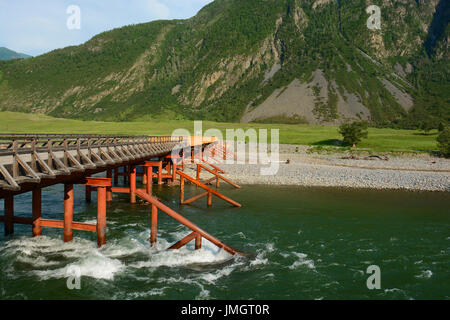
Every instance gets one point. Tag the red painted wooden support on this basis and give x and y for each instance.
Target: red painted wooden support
(181, 189)
(37, 212)
(101, 216)
(174, 170)
(108, 190)
(160, 169)
(169, 168)
(209, 199)
(68, 212)
(149, 175)
(192, 155)
(208, 189)
(132, 184)
(120, 190)
(87, 191)
(200, 166)
(102, 184)
(46, 223)
(184, 241)
(154, 225)
(193, 199)
(9, 215)
(198, 242)
(144, 178)
(199, 171)
(216, 168)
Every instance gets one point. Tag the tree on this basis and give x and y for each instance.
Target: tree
(426, 126)
(441, 127)
(444, 142)
(354, 132)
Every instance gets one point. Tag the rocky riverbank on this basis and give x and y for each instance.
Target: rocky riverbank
(297, 166)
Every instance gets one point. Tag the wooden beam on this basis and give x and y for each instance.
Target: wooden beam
(214, 192)
(184, 241)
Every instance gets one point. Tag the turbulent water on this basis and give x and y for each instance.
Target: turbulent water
(302, 243)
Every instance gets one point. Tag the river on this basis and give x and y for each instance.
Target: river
(302, 243)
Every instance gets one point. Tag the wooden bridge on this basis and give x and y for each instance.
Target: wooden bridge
(31, 162)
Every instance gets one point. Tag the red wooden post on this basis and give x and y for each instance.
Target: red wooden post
(199, 170)
(108, 189)
(149, 175)
(174, 170)
(193, 155)
(133, 184)
(144, 177)
(160, 172)
(154, 225)
(181, 189)
(68, 212)
(198, 242)
(169, 167)
(9, 215)
(225, 151)
(37, 212)
(101, 216)
(209, 199)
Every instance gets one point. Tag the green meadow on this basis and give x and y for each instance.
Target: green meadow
(324, 137)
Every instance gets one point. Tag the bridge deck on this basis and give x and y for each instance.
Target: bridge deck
(38, 160)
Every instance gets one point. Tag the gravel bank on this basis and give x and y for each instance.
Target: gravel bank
(421, 172)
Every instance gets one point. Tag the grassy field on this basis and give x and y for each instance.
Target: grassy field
(382, 140)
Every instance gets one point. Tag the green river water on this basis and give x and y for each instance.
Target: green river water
(303, 243)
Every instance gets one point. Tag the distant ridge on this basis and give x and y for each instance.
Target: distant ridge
(7, 54)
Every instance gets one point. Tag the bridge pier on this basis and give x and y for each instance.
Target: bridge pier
(37, 212)
(132, 183)
(101, 216)
(68, 212)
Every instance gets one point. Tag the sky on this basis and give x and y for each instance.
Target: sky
(36, 27)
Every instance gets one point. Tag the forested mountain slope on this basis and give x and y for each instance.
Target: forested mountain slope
(288, 61)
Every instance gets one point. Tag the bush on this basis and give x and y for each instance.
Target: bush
(444, 142)
(354, 132)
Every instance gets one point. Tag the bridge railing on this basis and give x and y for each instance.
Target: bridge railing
(23, 144)
(27, 158)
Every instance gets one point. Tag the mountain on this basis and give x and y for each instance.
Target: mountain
(6, 54)
(288, 61)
